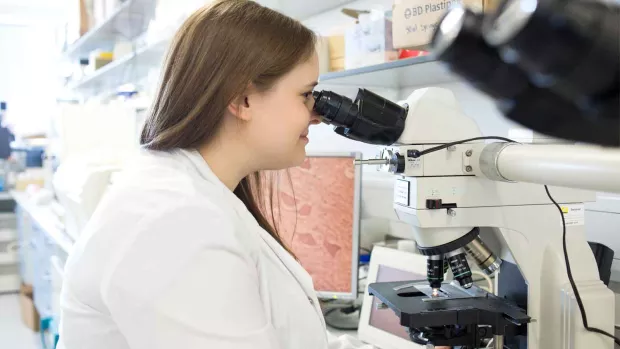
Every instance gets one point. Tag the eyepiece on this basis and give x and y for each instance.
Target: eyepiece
(334, 108)
(370, 118)
(459, 43)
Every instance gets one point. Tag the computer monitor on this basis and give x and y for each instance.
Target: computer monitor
(317, 213)
(381, 327)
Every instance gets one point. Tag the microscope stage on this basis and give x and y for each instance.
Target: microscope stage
(417, 308)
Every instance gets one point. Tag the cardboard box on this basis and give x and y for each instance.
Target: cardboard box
(336, 47)
(87, 19)
(322, 52)
(415, 21)
(336, 64)
(335, 44)
(369, 42)
(330, 50)
(30, 315)
(80, 19)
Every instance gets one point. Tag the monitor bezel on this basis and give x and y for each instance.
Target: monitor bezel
(397, 259)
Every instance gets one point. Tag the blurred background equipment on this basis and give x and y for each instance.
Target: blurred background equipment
(562, 59)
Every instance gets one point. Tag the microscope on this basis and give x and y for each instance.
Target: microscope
(452, 183)
(449, 185)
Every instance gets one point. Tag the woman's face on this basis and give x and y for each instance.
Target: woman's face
(281, 116)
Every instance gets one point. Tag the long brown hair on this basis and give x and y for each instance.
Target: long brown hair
(217, 53)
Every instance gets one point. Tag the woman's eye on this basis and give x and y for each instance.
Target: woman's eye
(307, 94)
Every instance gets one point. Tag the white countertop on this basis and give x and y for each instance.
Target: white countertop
(45, 219)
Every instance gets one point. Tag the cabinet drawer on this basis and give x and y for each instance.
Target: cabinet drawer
(9, 269)
(9, 253)
(8, 234)
(9, 283)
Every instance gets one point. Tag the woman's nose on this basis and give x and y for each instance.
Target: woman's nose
(315, 118)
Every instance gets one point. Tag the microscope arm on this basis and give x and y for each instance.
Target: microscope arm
(573, 166)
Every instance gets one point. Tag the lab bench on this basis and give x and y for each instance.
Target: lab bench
(44, 249)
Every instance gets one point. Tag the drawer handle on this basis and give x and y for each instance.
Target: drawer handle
(13, 247)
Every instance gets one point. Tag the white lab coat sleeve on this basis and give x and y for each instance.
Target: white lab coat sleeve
(209, 299)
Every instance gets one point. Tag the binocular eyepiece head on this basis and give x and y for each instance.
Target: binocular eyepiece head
(370, 118)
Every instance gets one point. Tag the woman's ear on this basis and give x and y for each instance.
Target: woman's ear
(240, 108)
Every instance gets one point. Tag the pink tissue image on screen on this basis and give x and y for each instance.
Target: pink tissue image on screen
(386, 319)
(315, 218)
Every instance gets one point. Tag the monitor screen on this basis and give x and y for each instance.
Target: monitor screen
(388, 321)
(317, 215)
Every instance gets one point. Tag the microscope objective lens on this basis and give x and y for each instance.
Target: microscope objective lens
(460, 269)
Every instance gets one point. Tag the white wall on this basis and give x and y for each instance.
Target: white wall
(26, 76)
(333, 21)
(30, 11)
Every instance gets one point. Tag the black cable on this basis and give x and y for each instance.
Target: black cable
(572, 281)
(447, 145)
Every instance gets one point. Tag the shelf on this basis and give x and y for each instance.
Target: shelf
(127, 22)
(124, 70)
(410, 72)
(301, 10)
(132, 19)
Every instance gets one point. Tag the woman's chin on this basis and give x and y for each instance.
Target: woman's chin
(298, 158)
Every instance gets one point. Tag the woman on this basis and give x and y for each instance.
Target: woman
(179, 254)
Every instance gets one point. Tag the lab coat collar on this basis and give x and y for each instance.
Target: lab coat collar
(297, 271)
(205, 172)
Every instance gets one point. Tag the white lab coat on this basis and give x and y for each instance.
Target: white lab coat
(173, 259)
